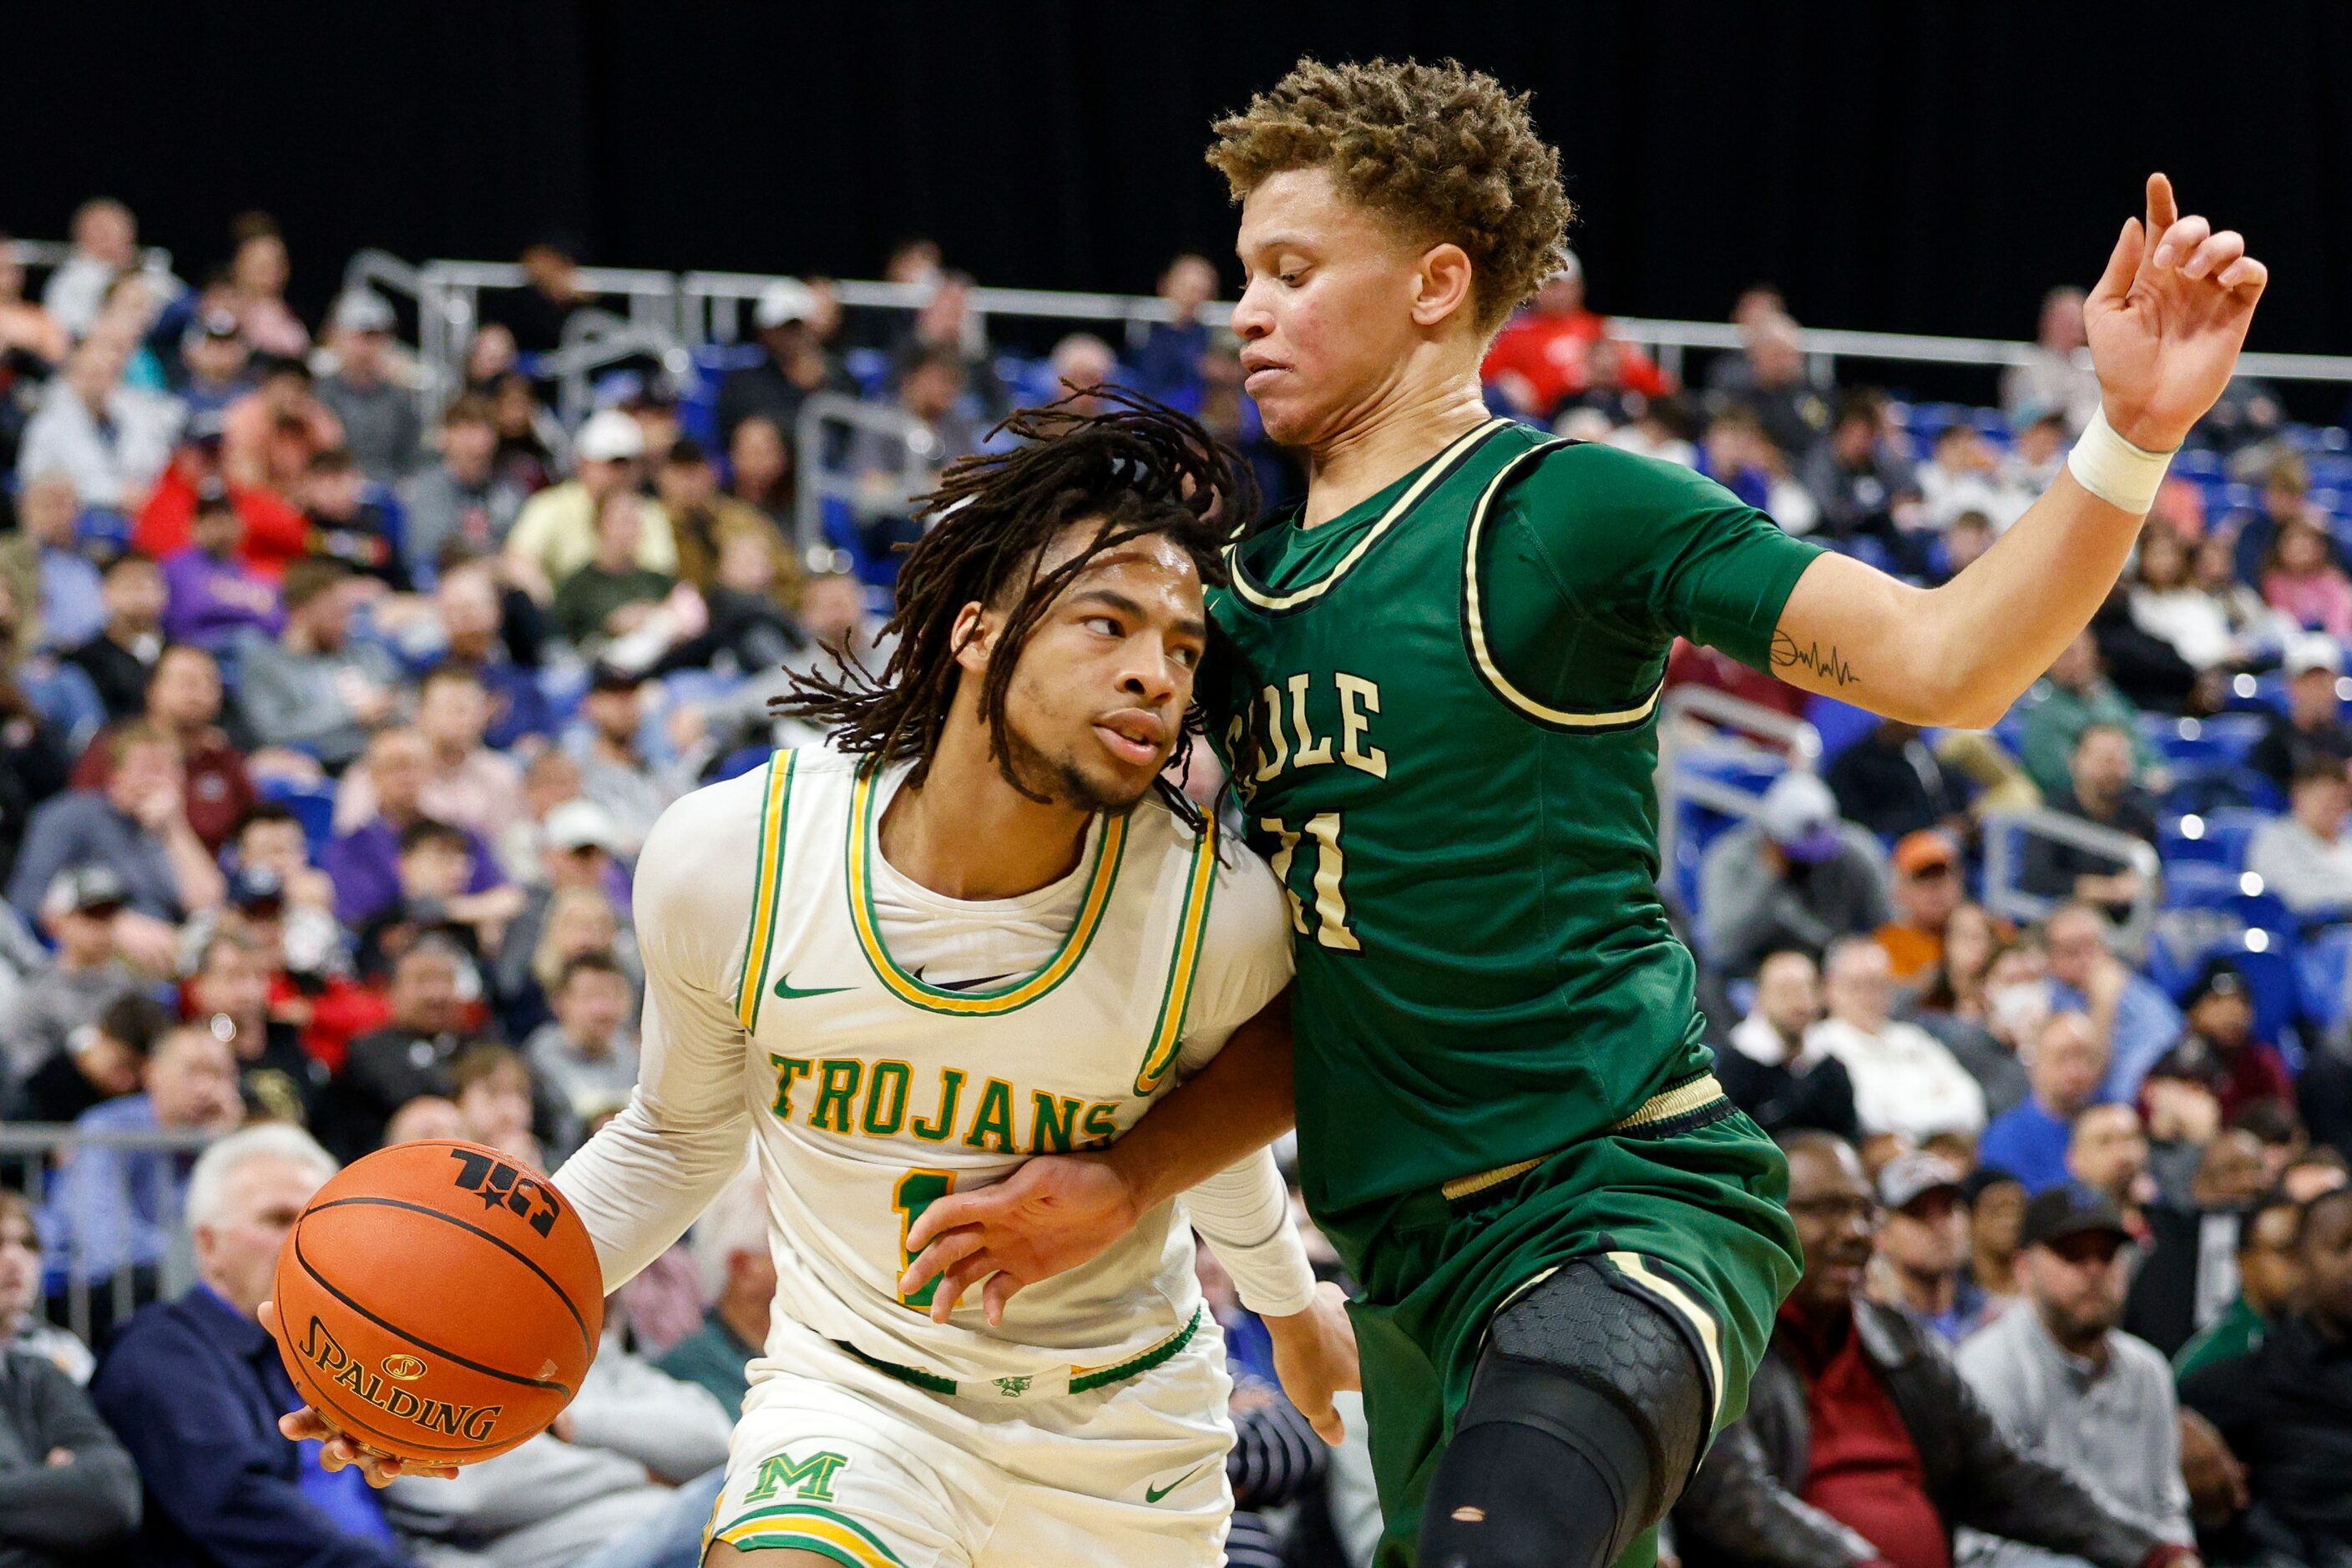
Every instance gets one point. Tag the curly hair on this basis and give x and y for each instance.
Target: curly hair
(1443, 152)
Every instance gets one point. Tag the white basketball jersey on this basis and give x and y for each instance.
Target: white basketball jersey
(874, 1091)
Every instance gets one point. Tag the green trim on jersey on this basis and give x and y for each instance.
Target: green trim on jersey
(1102, 878)
(1184, 962)
(769, 890)
(804, 1527)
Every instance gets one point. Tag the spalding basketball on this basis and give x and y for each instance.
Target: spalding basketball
(438, 1303)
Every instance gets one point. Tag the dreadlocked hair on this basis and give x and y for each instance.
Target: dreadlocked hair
(1140, 469)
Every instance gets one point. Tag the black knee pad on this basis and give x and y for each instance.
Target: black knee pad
(1583, 1333)
(1537, 1478)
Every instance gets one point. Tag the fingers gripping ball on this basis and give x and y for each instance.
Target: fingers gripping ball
(438, 1303)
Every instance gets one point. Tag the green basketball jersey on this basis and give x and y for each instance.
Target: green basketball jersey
(1439, 710)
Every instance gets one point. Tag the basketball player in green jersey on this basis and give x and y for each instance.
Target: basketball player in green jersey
(1436, 690)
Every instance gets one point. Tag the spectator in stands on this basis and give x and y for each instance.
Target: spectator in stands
(1796, 876)
(269, 435)
(1862, 1444)
(411, 1055)
(2040, 438)
(434, 863)
(365, 862)
(1792, 409)
(2301, 580)
(760, 469)
(551, 779)
(2306, 857)
(2323, 1089)
(58, 691)
(2099, 791)
(2183, 1118)
(1858, 474)
(127, 646)
(25, 1333)
(194, 1388)
(2064, 1065)
(1890, 781)
(2183, 1280)
(2072, 697)
(379, 417)
(96, 1063)
(26, 328)
(1996, 1202)
(551, 291)
(614, 772)
(1965, 539)
(460, 503)
(1921, 1264)
(1169, 365)
(105, 244)
(2059, 374)
(2269, 1283)
(577, 921)
(1772, 1071)
(138, 828)
(946, 334)
(212, 597)
(2218, 1046)
(78, 911)
(2285, 498)
(315, 689)
(587, 1056)
(114, 1210)
(556, 533)
(215, 361)
(271, 842)
(276, 533)
(1079, 363)
(70, 1492)
(1543, 359)
(110, 440)
(183, 702)
(345, 525)
(739, 1276)
(576, 845)
(473, 609)
(2169, 604)
(258, 271)
(892, 467)
(2312, 724)
(229, 994)
(2067, 1387)
(494, 1094)
(2107, 1152)
(627, 1477)
(465, 784)
(611, 596)
(705, 521)
(52, 574)
(1927, 890)
(2286, 1407)
(792, 365)
(1962, 473)
(1959, 1002)
(1736, 453)
(1904, 1082)
(2129, 1011)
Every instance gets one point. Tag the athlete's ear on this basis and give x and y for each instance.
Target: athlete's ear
(1442, 284)
(973, 636)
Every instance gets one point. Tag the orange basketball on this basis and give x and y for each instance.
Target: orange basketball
(438, 1303)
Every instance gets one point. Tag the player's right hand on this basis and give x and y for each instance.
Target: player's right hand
(338, 1448)
(1051, 1214)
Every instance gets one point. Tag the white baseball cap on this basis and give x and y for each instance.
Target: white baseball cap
(785, 300)
(582, 825)
(2313, 650)
(610, 437)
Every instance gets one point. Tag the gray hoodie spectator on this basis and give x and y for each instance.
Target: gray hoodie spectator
(312, 689)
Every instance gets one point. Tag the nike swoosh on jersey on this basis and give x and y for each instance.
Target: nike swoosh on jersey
(962, 984)
(1153, 1494)
(787, 992)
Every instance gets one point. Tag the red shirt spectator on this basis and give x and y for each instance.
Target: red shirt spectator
(276, 531)
(1544, 358)
(1865, 1471)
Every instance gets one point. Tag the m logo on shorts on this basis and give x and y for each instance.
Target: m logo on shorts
(812, 1479)
(1014, 1387)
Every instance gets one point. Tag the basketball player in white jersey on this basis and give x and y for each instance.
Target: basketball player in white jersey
(978, 923)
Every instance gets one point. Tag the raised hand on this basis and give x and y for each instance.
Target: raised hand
(2167, 319)
(1053, 1213)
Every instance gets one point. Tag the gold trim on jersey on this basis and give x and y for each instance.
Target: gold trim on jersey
(1184, 963)
(806, 1527)
(915, 993)
(770, 889)
(1663, 1105)
(1439, 468)
(1475, 620)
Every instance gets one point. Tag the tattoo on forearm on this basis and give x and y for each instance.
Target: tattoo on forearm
(1810, 659)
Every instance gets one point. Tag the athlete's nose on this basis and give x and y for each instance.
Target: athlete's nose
(1252, 320)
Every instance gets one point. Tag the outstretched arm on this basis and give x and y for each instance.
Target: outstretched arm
(2166, 323)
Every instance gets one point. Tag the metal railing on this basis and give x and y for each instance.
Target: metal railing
(710, 304)
(48, 253)
(826, 419)
(2005, 866)
(31, 1155)
(593, 338)
(449, 302)
(1699, 720)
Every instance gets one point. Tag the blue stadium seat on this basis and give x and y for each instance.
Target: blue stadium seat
(2212, 785)
(2320, 966)
(2196, 463)
(2204, 885)
(2218, 839)
(2184, 940)
(1840, 724)
(313, 805)
(741, 762)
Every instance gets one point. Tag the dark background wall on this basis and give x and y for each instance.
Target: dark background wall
(1918, 166)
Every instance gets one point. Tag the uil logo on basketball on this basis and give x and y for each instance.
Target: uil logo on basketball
(502, 1185)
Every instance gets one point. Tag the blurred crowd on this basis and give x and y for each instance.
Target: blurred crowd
(331, 726)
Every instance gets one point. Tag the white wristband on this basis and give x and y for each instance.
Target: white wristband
(2124, 476)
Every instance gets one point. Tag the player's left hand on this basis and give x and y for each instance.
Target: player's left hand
(1051, 1214)
(1314, 1355)
(2167, 319)
(338, 1448)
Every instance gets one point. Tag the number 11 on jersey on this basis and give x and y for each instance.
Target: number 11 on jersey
(918, 1190)
(1325, 898)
